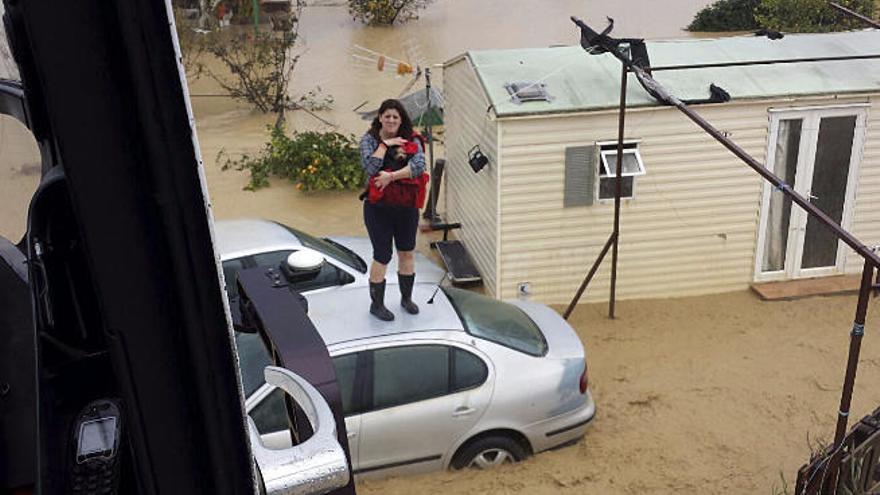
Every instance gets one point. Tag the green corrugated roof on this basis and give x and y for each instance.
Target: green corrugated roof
(578, 81)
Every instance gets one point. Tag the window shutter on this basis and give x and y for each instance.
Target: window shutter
(580, 175)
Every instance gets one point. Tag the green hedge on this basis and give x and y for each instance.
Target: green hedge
(313, 161)
(810, 16)
(792, 16)
(726, 15)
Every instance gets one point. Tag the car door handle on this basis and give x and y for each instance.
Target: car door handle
(462, 411)
(352, 434)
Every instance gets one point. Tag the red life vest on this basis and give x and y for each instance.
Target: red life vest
(409, 192)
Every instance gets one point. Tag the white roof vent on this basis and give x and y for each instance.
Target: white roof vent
(304, 260)
(523, 91)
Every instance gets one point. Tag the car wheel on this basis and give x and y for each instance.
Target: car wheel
(489, 452)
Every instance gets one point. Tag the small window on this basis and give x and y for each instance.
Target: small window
(632, 167)
(402, 375)
(345, 372)
(522, 91)
(270, 415)
(330, 248)
(470, 371)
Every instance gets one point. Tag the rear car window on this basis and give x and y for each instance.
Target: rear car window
(497, 321)
(329, 248)
(469, 370)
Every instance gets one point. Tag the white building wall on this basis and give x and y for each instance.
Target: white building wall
(471, 198)
(866, 218)
(692, 227)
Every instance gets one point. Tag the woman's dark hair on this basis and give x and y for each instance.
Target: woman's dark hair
(405, 130)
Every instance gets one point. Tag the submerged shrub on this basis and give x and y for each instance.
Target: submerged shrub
(810, 16)
(313, 161)
(386, 12)
(792, 16)
(726, 15)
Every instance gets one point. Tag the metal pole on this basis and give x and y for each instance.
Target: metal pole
(750, 63)
(849, 379)
(855, 14)
(431, 210)
(589, 277)
(256, 7)
(621, 121)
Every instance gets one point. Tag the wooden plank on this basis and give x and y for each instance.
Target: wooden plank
(796, 289)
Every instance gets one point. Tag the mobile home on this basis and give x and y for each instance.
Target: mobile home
(695, 219)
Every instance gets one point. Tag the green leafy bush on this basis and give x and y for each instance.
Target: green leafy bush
(314, 161)
(385, 12)
(810, 16)
(726, 15)
(793, 16)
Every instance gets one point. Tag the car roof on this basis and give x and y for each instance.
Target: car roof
(343, 315)
(251, 235)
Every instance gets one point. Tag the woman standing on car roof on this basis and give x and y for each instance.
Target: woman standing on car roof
(392, 155)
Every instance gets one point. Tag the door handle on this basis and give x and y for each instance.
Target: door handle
(352, 434)
(462, 411)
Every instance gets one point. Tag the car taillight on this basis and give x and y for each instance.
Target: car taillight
(585, 381)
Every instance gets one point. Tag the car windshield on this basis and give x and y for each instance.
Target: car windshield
(497, 321)
(330, 248)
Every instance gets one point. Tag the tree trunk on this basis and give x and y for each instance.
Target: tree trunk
(203, 14)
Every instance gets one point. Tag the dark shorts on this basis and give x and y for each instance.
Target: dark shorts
(387, 223)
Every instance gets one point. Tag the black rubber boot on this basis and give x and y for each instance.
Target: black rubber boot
(406, 287)
(377, 308)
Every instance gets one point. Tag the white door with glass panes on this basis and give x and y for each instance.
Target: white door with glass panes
(816, 151)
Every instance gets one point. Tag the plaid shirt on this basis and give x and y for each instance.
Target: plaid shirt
(373, 164)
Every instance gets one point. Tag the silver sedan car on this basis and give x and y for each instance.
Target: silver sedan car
(470, 381)
(250, 243)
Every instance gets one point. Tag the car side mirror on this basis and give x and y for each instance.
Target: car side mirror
(315, 466)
